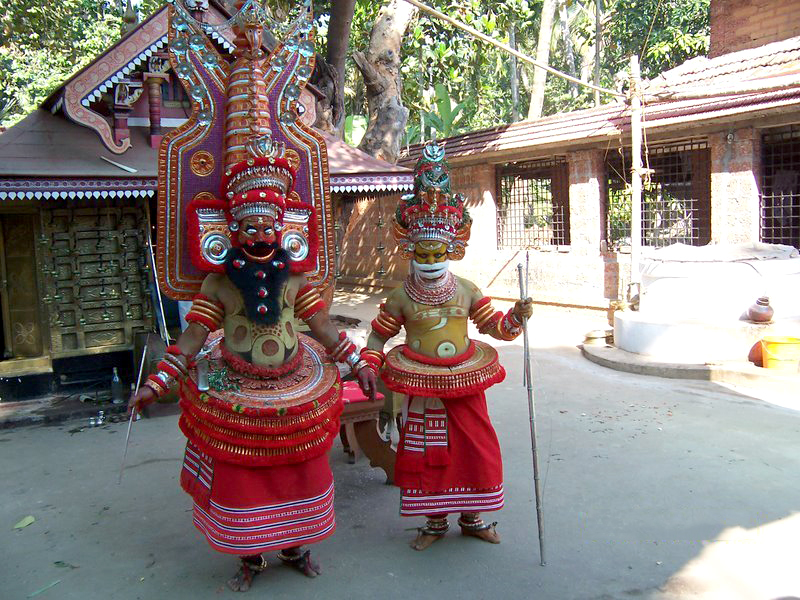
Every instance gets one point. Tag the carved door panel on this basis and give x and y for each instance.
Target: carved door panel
(18, 288)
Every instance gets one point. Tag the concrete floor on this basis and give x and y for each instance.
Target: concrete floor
(653, 488)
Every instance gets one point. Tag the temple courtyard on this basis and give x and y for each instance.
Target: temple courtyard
(652, 488)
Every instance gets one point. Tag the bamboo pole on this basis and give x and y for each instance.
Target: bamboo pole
(532, 420)
(636, 172)
(509, 49)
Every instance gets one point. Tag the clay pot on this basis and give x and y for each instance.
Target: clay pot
(761, 311)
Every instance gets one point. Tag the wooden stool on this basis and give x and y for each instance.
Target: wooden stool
(359, 432)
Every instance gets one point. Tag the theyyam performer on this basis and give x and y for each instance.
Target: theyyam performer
(448, 458)
(244, 230)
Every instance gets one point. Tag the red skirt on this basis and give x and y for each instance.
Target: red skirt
(449, 460)
(250, 510)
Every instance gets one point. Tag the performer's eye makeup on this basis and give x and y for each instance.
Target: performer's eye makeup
(250, 230)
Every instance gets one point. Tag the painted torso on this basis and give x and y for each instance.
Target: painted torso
(262, 345)
(438, 331)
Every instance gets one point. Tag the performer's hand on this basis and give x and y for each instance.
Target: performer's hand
(143, 397)
(366, 381)
(523, 309)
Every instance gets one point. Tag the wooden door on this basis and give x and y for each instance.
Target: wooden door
(19, 293)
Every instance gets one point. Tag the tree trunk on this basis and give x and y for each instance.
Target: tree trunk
(514, 79)
(329, 74)
(598, 45)
(542, 56)
(565, 35)
(380, 66)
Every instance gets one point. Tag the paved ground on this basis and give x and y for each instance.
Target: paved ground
(653, 488)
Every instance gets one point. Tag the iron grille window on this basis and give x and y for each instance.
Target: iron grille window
(533, 204)
(676, 197)
(780, 186)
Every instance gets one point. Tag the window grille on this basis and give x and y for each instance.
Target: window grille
(676, 197)
(533, 204)
(780, 188)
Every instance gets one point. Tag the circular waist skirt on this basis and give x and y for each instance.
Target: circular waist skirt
(408, 372)
(263, 421)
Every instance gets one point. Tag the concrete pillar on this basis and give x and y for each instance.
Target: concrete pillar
(586, 196)
(735, 174)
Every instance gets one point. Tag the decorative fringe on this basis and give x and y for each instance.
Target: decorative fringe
(240, 365)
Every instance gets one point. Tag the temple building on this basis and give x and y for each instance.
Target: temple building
(78, 191)
(722, 140)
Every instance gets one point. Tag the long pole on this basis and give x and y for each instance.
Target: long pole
(163, 328)
(532, 418)
(525, 295)
(133, 414)
(636, 172)
(524, 57)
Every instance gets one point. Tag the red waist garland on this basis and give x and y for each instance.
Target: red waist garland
(240, 365)
(408, 372)
(290, 435)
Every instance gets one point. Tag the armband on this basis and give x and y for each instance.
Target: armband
(308, 303)
(206, 312)
(386, 324)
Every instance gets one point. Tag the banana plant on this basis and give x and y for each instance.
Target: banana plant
(447, 118)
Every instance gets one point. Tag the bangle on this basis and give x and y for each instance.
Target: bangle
(361, 364)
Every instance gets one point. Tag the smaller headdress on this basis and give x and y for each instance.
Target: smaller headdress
(432, 213)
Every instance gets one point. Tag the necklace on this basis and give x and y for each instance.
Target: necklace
(432, 294)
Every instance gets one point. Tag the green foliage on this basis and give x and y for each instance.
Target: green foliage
(355, 126)
(43, 43)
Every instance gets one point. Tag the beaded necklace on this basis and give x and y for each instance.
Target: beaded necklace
(433, 293)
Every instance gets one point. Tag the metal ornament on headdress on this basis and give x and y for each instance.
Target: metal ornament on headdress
(432, 213)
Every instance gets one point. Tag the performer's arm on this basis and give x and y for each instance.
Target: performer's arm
(205, 316)
(310, 307)
(384, 327)
(494, 323)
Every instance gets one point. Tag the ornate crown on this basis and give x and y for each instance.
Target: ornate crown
(432, 213)
(259, 171)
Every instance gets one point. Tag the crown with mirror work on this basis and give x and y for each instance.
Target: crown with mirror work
(432, 213)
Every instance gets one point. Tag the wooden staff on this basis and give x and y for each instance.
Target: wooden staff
(532, 416)
(525, 295)
(133, 413)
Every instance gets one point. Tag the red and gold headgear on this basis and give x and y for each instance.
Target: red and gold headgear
(432, 213)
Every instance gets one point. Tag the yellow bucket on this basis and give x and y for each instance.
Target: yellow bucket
(780, 352)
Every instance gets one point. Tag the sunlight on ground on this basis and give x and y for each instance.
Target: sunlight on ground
(743, 564)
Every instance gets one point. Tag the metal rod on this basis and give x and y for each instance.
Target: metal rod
(163, 329)
(636, 170)
(532, 418)
(509, 49)
(525, 295)
(133, 413)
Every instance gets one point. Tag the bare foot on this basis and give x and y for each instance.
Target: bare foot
(300, 561)
(488, 533)
(249, 567)
(424, 540)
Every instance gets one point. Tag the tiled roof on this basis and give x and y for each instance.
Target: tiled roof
(776, 63)
(765, 62)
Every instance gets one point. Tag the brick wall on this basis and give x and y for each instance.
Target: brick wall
(741, 24)
(735, 167)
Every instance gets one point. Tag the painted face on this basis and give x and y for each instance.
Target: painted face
(258, 237)
(429, 253)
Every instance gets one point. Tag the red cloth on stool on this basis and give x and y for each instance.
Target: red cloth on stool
(245, 511)
(352, 394)
(472, 479)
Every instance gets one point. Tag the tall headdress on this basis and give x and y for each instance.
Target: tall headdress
(432, 213)
(244, 150)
